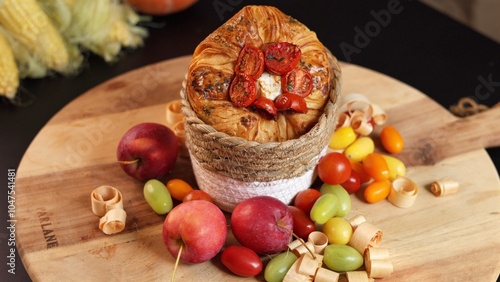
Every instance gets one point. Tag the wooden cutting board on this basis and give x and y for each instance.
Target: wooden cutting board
(449, 238)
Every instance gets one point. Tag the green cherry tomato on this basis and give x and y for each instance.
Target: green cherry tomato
(344, 203)
(278, 266)
(359, 149)
(324, 208)
(241, 261)
(342, 258)
(157, 196)
(338, 230)
(342, 138)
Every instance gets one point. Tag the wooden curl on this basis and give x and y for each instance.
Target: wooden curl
(173, 113)
(319, 241)
(403, 192)
(358, 276)
(343, 120)
(113, 221)
(373, 253)
(360, 124)
(105, 198)
(309, 265)
(364, 236)
(379, 115)
(305, 248)
(444, 186)
(378, 268)
(356, 221)
(326, 275)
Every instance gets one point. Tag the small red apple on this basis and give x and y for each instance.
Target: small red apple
(198, 227)
(148, 151)
(263, 224)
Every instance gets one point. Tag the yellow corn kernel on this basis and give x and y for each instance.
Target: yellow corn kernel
(9, 74)
(27, 23)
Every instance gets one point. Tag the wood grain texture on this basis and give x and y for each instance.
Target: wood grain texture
(450, 238)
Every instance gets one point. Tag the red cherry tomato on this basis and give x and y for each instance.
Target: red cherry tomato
(391, 139)
(377, 191)
(267, 107)
(305, 199)
(297, 81)
(352, 184)
(376, 166)
(281, 57)
(242, 91)
(250, 62)
(241, 261)
(302, 223)
(288, 101)
(198, 195)
(334, 168)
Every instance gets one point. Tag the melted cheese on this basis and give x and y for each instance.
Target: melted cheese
(269, 85)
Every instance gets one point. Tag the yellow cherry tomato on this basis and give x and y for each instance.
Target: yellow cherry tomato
(391, 139)
(178, 188)
(359, 149)
(377, 191)
(338, 230)
(376, 166)
(342, 138)
(396, 167)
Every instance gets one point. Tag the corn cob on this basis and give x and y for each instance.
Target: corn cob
(29, 25)
(9, 74)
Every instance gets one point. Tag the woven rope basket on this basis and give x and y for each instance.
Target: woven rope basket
(232, 169)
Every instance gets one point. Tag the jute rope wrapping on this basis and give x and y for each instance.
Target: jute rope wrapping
(224, 158)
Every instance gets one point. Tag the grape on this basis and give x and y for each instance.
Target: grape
(342, 258)
(157, 196)
(278, 266)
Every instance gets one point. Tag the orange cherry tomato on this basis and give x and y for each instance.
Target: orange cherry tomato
(250, 62)
(360, 170)
(377, 191)
(197, 195)
(376, 166)
(242, 91)
(178, 188)
(305, 199)
(298, 82)
(391, 139)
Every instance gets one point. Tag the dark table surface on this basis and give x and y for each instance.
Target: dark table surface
(401, 38)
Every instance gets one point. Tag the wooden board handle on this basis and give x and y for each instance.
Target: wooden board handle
(463, 135)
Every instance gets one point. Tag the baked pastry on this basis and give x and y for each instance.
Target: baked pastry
(227, 64)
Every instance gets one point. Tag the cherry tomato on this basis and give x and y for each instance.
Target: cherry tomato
(338, 230)
(305, 199)
(342, 138)
(288, 101)
(352, 184)
(198, 195)
(377, 191)
(358, 167)
(242, 91)
(241, 261)
(281, 57)
(267, 107)
(334, 168)
(250, 62)
(302, 224)
(376, 166)
(297, 81)
(396, 167)
(360, 148)
(391, 139)
(178, 188)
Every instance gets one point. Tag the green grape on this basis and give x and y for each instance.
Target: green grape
(342, 258)
(344, 206)
(157, 196)
(324, 208)
(278, 266)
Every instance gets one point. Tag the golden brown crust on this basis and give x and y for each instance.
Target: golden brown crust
(212, 69)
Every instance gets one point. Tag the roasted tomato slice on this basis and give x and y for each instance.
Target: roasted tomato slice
(267, 107)
(281, 57)
(297, 81)
(243, 91)
(250, 62)
(289, 101)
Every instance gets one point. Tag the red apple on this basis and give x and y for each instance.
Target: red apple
(263, 224)
(199, 227)
(148, 151)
